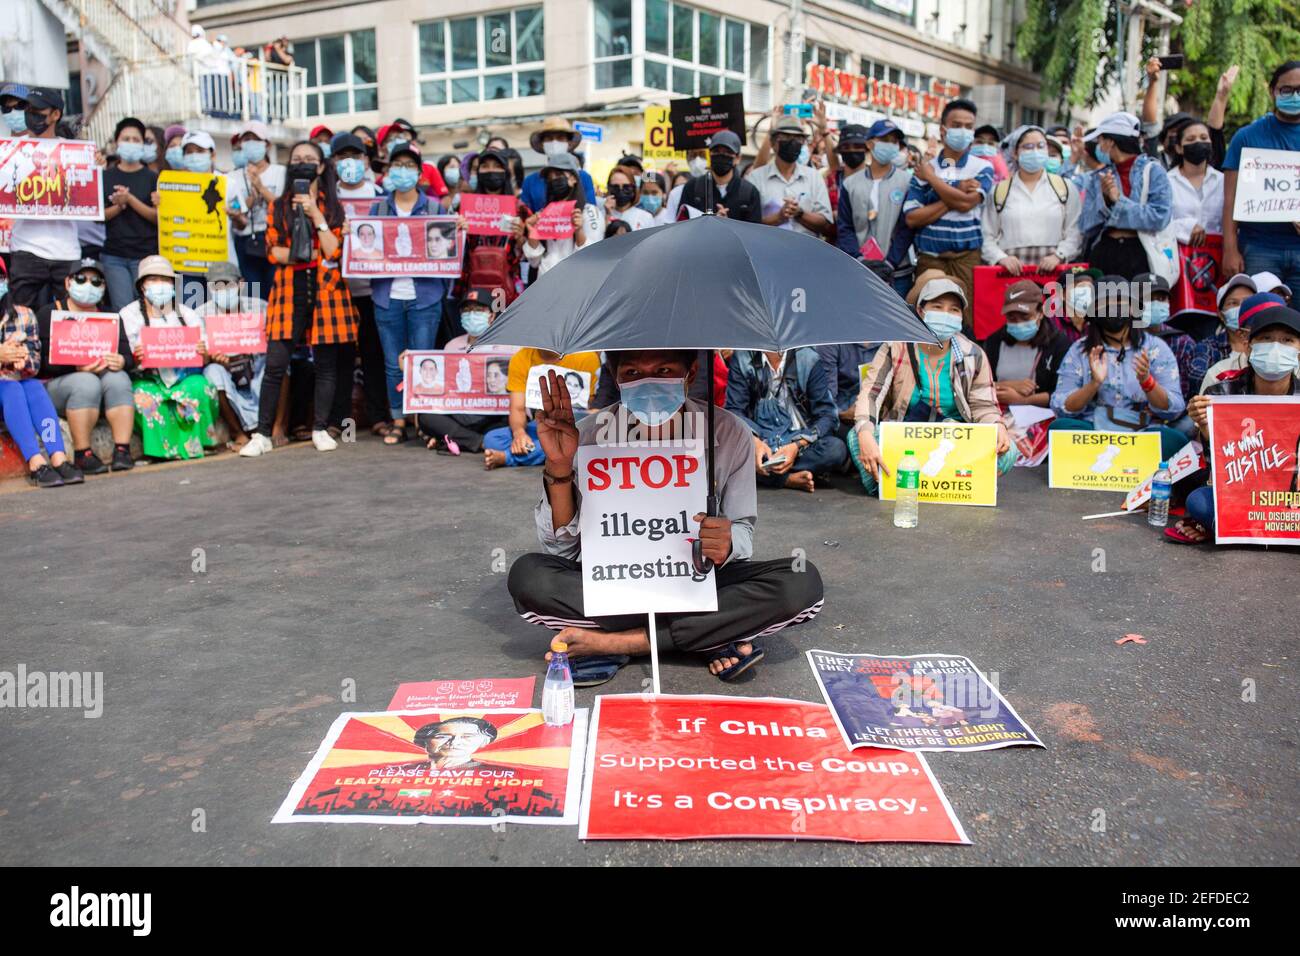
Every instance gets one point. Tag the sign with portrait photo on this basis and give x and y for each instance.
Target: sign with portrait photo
(396, 247)
(455, 383)
(578, 384)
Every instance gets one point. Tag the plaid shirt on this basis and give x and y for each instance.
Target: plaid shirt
(335, 320)
(22, 319)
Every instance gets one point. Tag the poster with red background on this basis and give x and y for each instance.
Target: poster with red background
(555, 220)
(1254, 446)
(395, 247)
(480, 692)
(1198, 279)
(991, 284)
(79, 338)
(50, 179)
(702, 767)
(442, 766)
(235, 333)
(175, 347)
(488, 215)
(455, 383)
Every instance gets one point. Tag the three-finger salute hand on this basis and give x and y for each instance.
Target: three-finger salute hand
(556, 428)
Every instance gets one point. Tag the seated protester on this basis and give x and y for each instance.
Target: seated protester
(1232, 342)
(175, 408)
(654, 191)
(492, 262)
(720, 184)
(465, 432)
(754, 597)
(557, 137)
(236, 378)
(1268, 282)
(24, 404)
(515, 445)
(1197, 186)
(606, 390)
(562, 184)
(1274, 369)
(871, 195)
(1118, 378)
(1155, 315)
(1026, 353)
(1076, 303)
(785, 398)
(79, 392)
(952, 381)
(622, 196)
(1031, 221)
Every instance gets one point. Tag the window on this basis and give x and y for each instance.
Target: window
(496, 56)
(823, 56)
(341, 73)
(682, 50)
(1032, 117)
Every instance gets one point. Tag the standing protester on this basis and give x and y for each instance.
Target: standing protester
(155, 139)
(173, 154)
(13, 109)
(1265, 246)
(556, 138)
(654, 191)
(79, 392)
(720, 188)
(943, 203)
(43, 251)
(1031, 222)
(1126, 197)
(622, 194)
(309, 299)
(250, 194)
(237, 379)
(874, 187)
(562, 184)
(1197, 186)
(130, 215)
(792, 193)
(322, 136)
(492, 262)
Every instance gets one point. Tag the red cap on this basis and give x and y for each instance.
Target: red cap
(317, 130)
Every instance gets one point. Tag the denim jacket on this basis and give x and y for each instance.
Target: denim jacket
(749, 380)
(1128, 212)
(427, 291)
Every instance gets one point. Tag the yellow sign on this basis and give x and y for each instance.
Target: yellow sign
(659, 136)
(192, 222)
(1101, 461)
(959, 461)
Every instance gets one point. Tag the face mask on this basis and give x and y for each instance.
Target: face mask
(85, 293)
(943, 324)
(396, 144)
(492, 182)
(1065, 151)
(175, 157)
(902, 159)
(1103, 158)
(1022, 331)
(984, 150)
(238, 158)
(720, 163)
(1156, 314)
(255, 150)
(305, 171)
(557, 188)
(16, 120)
(473, 182)
(160, 294)
(351, 170)
(885, 152)
(1033, 160)
(1274, 361)
(401, 178)
(1289, 104)
(197, 162)
(623, 195)
(854, 158)
(1081, 299)
(325, 149)
(4, 288)
(451, 175)
(699, 166)
(652, 204)
(1197, 153)
(150, 153)
(226, 298)
(803, 156)
(36, 123)
(129, 152)
(1230, 318)
(959, 140)
(475, 323)
(1053, 164)
(1113, 324)
(789, 150)
(555, 147)
(652, 401)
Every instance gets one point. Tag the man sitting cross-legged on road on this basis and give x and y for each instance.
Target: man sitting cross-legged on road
(755, 598)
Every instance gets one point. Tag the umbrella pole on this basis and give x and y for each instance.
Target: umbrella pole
(654, 655)
(702, 564)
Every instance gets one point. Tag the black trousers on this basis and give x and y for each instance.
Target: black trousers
(372, 361)
(325, 363)
(755, 599)
(467, 431)
(345, 358)
(1115, 256)
(34, 281)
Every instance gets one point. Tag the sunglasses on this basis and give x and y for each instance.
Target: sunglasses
(96, 281)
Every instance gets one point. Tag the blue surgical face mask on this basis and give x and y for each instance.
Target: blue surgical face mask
(652, 401)
(943, 324)
(1231, 318)
(16, 120)
(1022, 331)
(1053, 164)
(1289, 104)
(351, 170)
(1156, 314)
(1273, 361)
(175, 157)
(401, 178)
(238, 158)
(959, 139)
(4, 288)
(129, 152)
(160, 294)
(1081, 299)
(255, 150)
(983, 150)
(804, 156)
(473, 182)
(226, 297)
(200, 162)
(475, 322)
(85, 293)
(1033, 160)
(651, 203)
(396, 144)
(884, 152)
(150, 153)
(1103, 158)
(451, 175)
(325, 149)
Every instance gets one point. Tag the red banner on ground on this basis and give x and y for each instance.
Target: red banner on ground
(176, 347)
(555, 221)
(683, 768)
(236, 333)
(481, 692)
(1198, 279)
(487, 215)
(50, 179)
(79, 338)
(1254, 447)
(991, 284)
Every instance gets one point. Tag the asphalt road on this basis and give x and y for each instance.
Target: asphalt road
(374, 564)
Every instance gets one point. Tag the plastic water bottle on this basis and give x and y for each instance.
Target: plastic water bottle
(907, 491)
(1158, 509)
(557, 692)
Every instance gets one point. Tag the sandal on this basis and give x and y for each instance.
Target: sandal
(381, 429)
(590, 671)
(1184, 531)
(301, 433)
(744, 663)
(396, 435)
(450, 444)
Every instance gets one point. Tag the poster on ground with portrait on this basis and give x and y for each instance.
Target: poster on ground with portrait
(455, 383)
(958, 460)
(193, 225)
(704, 767)
(1254, 449)
(1100, 461)
(442, 766)
(637, 521)
(934, 702)
(398, 247)
(81, 338)
(50, 179)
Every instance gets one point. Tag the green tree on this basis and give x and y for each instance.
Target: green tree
(1072, 44)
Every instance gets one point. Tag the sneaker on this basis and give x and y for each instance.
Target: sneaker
(258, 445)
(122, 460)
(70, 473)
(45, 477)
(88, 463)
(321, 439)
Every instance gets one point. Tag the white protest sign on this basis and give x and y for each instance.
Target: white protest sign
(1268, 186)
(637, 521)
(578, 383)
(1181, 465)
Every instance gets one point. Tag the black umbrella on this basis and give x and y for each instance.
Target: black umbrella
(706, 283)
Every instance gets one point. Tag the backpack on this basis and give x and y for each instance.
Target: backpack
(1003, 189)
(489, 268)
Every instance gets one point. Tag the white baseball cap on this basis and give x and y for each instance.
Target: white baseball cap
(1268, 282)
(1240, 279)
(1116, 124)
(198, 138)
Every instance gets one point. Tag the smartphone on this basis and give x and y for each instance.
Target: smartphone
(301, 186)
(774, 462)
(802, 110)
(1173, 61)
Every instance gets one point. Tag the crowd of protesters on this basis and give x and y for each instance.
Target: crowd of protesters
(1087, 206)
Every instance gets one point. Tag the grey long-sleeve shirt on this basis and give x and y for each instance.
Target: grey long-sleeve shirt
(737, 491)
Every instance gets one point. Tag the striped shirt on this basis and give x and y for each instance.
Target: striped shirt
(954, 231)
